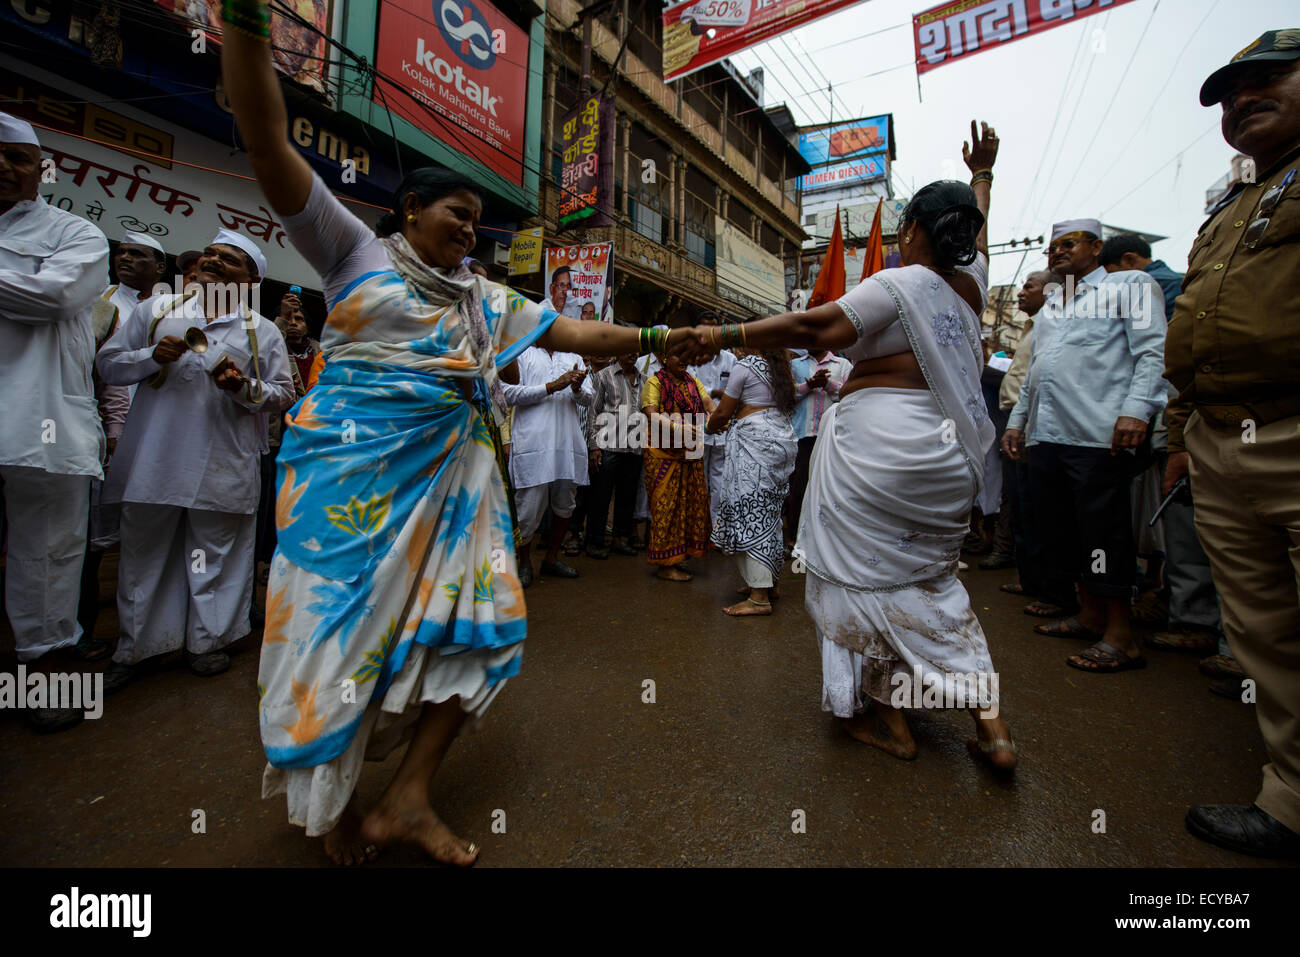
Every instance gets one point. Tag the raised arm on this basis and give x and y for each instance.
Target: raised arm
(255, 98)
(980, 158)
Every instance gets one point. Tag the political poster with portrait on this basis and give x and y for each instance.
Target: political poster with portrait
(578, 280)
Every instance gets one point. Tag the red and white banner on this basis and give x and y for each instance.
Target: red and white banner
(954, 31)
(461, 75)
(700, 32)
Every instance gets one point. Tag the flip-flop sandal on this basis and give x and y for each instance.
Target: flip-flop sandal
(1220, 666)
(1108, 658)
(1045, 609)
(1200, 642)
(1066, 628)
(1012, 588)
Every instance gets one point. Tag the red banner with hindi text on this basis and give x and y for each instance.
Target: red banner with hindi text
(955, 30)
(700, 32)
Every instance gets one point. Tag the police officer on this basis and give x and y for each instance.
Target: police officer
(1233, 353)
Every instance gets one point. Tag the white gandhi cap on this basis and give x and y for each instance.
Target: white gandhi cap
(14, 130)
(1076, 226)
(142, 239)
(228, 238)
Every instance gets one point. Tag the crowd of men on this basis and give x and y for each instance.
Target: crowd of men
(1149, 441)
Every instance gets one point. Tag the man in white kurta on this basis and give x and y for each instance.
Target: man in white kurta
(139, 264)
(186, 468)
(52, 267)
(548, 451)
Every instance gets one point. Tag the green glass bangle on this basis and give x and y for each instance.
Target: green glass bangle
(249, 16)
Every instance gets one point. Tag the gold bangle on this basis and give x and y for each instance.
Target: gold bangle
(744, 340)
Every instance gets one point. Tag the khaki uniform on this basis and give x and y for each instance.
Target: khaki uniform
(1233, 353)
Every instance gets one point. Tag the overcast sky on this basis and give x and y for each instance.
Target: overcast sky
(1115, 152)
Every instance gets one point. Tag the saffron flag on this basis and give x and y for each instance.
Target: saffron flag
(830, 280)
(873, 260)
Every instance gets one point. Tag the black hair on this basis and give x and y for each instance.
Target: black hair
(429, 184)
(778, 366)
(1113, 249)
(555, 276)
(947, 211)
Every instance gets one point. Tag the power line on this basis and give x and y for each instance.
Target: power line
(1151, 109)
(1069, 125)
(1159, 169)
(1056, 117)
(1083, 154)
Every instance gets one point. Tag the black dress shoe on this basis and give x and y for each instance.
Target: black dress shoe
(525, 576)
(54, 720)
(117, 677)
(558, 569)
(1243, 828)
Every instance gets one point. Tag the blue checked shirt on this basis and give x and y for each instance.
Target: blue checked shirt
(1096, 358)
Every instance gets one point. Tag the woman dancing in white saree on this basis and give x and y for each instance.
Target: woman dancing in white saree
(897, 464)
(394, 607)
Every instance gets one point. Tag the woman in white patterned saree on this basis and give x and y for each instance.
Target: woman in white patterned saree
(897, 464)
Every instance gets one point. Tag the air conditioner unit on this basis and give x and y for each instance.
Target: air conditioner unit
(501, 254)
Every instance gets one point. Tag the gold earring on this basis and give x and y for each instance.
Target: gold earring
(410, 218)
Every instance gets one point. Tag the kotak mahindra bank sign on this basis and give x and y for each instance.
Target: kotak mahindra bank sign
(466, 66)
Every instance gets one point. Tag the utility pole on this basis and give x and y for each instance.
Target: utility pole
(586, 15)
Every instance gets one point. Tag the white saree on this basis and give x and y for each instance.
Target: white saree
(891, 483)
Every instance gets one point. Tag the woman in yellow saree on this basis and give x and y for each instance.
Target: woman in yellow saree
(394, 608)
(677, 405)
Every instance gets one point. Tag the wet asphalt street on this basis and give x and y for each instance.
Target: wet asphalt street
(712, 773)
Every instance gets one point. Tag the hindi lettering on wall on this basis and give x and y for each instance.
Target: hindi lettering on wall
(586, 142)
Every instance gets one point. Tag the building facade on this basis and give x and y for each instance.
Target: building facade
(704, 209)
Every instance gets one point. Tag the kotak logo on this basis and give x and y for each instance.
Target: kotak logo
(466, 32)
(479, 95)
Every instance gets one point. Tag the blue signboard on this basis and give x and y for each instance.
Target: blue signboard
(845, 154)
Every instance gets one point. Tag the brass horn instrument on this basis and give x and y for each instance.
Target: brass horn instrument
(196, 340)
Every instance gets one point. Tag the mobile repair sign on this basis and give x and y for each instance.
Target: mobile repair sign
(458, 70)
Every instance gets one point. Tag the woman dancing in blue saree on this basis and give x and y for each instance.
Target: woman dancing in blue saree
(394, 609)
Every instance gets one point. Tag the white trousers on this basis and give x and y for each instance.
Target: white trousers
(755, 573)
(715, 456)
(47, 516)
(185, 580)
(531, 502)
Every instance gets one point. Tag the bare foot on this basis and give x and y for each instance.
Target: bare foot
(345, 845)
(748, 607)
(989, 730)
(671, 574)
(416, 824)
(871, 729)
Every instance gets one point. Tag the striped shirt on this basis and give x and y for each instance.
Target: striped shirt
(613, 388)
